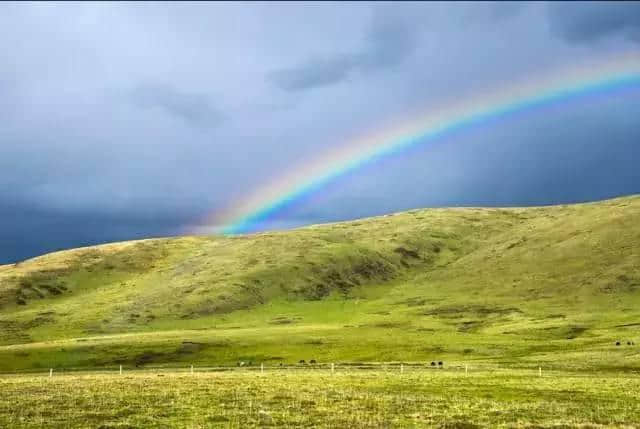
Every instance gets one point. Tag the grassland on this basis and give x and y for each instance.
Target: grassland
(513, 288)
(502, 291)
(316, 398)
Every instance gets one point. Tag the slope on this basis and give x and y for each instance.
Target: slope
(515, 286)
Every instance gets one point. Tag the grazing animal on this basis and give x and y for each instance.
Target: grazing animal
(617, 343)
(301, 361)
(439, 363)
(312, 361)
(240, 363)
(433, 364)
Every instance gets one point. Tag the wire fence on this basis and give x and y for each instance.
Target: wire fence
(331, 367)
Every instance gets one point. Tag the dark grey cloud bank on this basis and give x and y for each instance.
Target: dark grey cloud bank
(129, 120)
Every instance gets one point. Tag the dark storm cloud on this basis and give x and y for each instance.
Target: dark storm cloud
(387, 44)
(589, 21)
(35, 231)
(195, 109)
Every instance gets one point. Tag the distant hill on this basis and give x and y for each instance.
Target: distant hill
(557, 285)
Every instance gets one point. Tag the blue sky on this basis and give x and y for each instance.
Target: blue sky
(123, 120)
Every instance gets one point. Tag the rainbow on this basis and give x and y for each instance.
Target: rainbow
(588, 79)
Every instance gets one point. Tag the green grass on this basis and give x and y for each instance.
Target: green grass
(518, 287)
(316, 398)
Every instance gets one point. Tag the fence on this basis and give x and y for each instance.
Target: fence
(330, 367)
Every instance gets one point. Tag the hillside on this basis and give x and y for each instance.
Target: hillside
(516, 286)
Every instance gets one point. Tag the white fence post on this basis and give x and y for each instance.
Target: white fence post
(262, 368)
(333, 368)
(50, 372)
(466, 369)
(540, 371)
(401, 368)
(120, 369)
(191, 369)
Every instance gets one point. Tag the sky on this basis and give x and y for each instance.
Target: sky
(128, 120)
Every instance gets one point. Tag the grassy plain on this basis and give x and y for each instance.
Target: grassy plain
(316, 398)
(504, 291)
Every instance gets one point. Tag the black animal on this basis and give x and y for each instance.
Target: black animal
(617, 343)
(301, 361)
(439, 363)
(312, 361)
(433, 364)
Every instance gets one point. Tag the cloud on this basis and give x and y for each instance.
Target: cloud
(315, 73)
(388, 42)
(34, 231)
(589, 21)
(193, 108)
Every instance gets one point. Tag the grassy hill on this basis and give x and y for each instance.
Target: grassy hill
(557, 286)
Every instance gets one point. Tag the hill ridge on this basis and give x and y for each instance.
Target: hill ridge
(459, 282)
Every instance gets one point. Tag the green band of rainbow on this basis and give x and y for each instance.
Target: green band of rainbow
(284, 194)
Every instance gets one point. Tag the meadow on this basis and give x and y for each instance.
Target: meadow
(418, 397)
(503, 291)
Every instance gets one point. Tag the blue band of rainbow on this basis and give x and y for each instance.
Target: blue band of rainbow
(283, 195)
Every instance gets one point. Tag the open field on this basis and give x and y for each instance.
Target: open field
(316, 398)
(502, 290)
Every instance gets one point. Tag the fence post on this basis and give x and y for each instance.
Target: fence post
(50, 372)
(401, 368)
(333, 368)
(262, 368)
(191, 369)
(540, 371)
(466, 369)
(120, 369)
